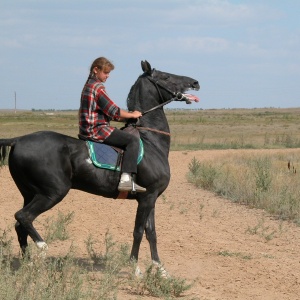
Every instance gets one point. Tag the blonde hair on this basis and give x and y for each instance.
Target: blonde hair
(102, 63)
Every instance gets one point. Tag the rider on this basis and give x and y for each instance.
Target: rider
(95, 113)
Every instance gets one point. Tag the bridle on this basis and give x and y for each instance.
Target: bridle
(175, 97)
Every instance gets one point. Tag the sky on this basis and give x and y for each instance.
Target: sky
(245, 54)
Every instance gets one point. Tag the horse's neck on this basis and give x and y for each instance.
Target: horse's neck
(156, 133)
(156, 120)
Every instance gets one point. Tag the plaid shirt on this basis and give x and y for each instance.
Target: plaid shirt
(96, 111)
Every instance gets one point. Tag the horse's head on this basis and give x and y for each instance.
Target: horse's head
(155, 87)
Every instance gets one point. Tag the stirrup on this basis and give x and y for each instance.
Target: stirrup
(131, 187)
(136, 188)
(133, 190)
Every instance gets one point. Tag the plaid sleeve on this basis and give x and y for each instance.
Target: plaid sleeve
(107, 105)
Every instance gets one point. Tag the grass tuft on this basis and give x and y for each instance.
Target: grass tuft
(56, 229)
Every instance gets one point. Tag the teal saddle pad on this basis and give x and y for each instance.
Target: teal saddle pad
(107, 157)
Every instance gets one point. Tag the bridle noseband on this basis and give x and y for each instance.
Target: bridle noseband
(175, 96)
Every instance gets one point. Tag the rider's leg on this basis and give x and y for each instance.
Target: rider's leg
(130, 144)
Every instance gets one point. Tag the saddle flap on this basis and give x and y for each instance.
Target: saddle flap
(104, 156)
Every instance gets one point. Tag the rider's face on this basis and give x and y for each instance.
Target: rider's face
(102, 75)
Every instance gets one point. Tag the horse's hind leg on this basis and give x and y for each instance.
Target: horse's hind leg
(22, 237)
(20, 230)
(26, 215)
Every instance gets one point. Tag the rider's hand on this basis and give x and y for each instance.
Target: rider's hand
(136, 114)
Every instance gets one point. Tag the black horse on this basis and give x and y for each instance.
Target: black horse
(46, 165)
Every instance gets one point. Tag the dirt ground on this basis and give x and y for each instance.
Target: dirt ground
(201, 237)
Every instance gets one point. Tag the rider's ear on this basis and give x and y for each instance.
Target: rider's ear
(146, 67)
(95, 70)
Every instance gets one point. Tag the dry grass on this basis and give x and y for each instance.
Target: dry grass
(235, 128)
(268, 182)
(190, 129)
(100, 277)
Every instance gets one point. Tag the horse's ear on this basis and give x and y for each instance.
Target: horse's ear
(146, 67)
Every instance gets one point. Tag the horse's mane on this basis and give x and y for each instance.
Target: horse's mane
(133, 99)
(130, 97)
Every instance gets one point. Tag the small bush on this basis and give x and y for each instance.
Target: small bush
(156, 284)
(56, 229)
(202, 175)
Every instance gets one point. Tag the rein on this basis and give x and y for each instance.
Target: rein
(158, 106)
(154, 130)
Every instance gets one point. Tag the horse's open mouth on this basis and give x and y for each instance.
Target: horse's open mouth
(188, 98)
(191, 98)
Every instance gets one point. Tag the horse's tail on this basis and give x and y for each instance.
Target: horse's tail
(4, 148)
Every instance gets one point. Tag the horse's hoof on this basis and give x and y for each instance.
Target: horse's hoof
(138, 273)
(42, 246)
(162, 270)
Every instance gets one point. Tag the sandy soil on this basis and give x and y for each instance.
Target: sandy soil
(201, 237)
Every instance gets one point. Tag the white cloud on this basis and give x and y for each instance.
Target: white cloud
(183, 44)
(250, 49)
(219, 12)
(10, 43)
(204, 44)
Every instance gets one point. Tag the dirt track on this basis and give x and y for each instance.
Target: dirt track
(201, 237)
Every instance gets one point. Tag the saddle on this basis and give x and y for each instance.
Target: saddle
(109, 157)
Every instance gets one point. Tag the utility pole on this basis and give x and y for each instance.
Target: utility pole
(15, 102)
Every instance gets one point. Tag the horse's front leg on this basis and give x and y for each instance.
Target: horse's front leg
(152, 239)
(151, 235)
(144, 210)
(145, 221)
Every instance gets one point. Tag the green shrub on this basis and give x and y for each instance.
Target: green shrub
(156, 284)
(202, 175)
(56, 229)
